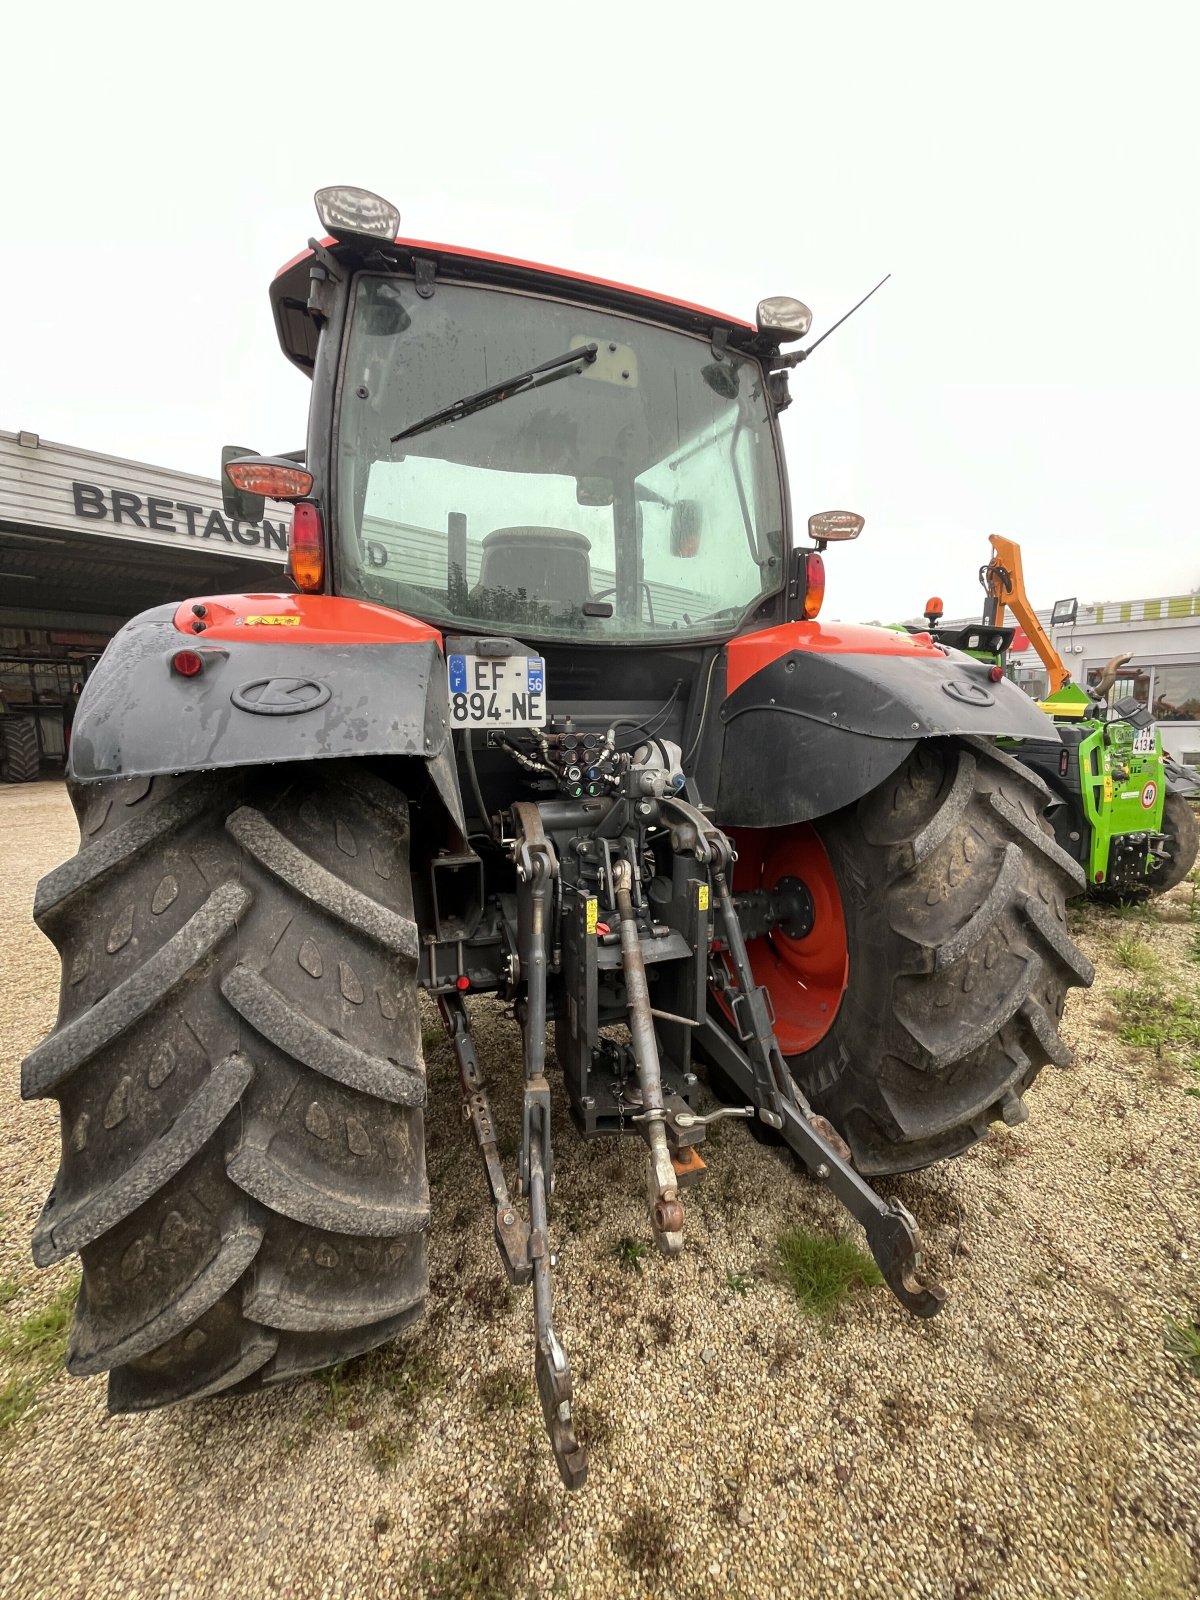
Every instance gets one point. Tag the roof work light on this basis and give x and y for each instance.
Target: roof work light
(347, 211)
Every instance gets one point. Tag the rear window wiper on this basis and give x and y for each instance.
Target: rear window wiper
(558, 367)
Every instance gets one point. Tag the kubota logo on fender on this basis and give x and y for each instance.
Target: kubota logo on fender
(280, 697)
(971, 694)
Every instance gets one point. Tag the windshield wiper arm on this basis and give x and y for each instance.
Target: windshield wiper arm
(558, 367)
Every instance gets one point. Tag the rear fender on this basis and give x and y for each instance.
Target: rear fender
(1181, 779)
(818, 716)
(286, 677)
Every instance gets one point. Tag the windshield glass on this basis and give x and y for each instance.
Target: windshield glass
(631, 495)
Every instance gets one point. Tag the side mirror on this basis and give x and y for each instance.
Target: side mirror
(383, 313)
(828, 527)
(686, 521)
(722, 378)
(236, 502)
(783, 318)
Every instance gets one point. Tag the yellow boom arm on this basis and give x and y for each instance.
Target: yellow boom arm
(1005, 584)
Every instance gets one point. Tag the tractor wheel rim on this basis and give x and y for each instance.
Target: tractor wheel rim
(805, 978)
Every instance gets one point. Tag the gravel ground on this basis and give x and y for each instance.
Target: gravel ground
(1034, 1440)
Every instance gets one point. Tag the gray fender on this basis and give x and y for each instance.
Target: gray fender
(811, 733)
(258, 702)
(1181, 779)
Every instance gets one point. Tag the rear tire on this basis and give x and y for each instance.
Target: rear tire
(953, 893)
(238, 1063)
(1183, 841)
(19, 748)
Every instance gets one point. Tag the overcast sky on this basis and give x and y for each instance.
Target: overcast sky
(1027, 173)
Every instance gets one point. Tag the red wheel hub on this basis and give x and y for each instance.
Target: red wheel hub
(805, 978)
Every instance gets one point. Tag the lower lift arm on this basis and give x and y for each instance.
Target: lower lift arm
(753, 1061)
(757, 1066)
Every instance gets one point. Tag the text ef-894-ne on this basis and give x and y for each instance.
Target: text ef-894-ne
(497, 691)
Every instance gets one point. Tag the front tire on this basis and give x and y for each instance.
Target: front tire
(1182, 842)
(952, 894)
(237, 1060)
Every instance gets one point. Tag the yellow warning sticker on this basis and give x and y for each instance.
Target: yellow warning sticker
(273, 622)
(702, 897)
(593, 915)
(1108, 789)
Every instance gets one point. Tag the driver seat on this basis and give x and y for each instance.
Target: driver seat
(549, 565)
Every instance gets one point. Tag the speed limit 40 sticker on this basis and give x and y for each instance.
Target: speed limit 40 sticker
(1149, 796)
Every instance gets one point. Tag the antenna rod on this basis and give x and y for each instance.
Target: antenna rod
(798, 356)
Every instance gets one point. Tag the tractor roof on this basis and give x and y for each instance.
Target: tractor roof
(297, 333)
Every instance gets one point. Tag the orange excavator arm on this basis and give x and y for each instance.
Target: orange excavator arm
(1004, 582)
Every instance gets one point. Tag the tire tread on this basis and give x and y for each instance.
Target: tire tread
(237, 949)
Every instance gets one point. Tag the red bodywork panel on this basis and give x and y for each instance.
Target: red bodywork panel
(751, 652)
(452, 250)
(299, 619)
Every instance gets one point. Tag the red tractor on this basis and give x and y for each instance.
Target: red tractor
(548, 715)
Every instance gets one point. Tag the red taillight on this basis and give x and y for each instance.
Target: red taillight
(187, 663)
(276, 482)
(306, 548)
(814, 584)
(995, 673)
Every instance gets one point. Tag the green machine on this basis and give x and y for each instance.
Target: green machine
(1126, 810)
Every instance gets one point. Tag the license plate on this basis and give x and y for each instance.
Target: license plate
(1143, 742)
(497, 691)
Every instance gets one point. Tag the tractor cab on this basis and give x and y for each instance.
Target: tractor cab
(503, 446)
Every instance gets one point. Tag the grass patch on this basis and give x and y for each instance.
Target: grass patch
(1134, 910)
(645, 1541)
(662, 1326)
(822, 1271)
(406, 1377)
(9, 1290)
(386, 1448)
(489, 1297)
(738, 1283)
(491, 1557)
(40, 1339)
(403, 1376)
(596, 1429)
(338, 1392)
(1079, 917)
(1182, 1343)
(1169, 1576)
(505, 1389)
(17, 1397)
(630, 1253)
(1134, 954)
(1156, 1020)
(431, 1038)
(35, 1347)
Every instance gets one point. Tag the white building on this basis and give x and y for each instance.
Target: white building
(89, 540)
(1163, 636)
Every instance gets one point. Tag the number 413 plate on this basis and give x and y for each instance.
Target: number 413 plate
(497, 691)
